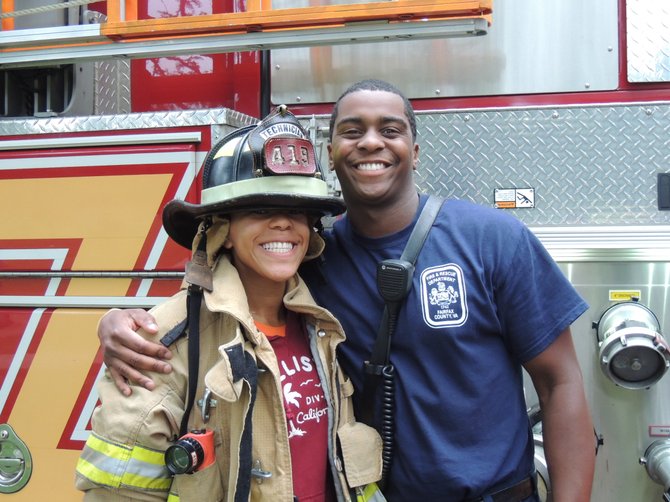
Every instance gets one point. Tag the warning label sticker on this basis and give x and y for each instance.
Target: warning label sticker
(512, 198)
(659, 431)
(624, 295)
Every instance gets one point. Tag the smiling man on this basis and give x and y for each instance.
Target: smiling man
(374, 155)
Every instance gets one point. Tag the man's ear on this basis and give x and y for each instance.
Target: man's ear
(331, 166)
(415, 161)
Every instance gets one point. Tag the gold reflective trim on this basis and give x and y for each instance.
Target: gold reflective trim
(281, 185)
(369, 493)
(115, 465)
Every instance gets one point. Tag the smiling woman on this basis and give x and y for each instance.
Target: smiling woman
(272, 403)
(267, 249)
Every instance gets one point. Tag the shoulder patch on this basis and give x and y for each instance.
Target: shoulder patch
(443, 296)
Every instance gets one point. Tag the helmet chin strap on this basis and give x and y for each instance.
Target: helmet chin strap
(198, 272)
(199, 277)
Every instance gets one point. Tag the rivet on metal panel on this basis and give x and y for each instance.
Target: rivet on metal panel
(217, 133)
(438, 92)
(648, 111)
(554, 115)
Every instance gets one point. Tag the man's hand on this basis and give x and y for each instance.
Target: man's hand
(125, 352)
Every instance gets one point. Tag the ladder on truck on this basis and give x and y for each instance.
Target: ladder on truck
(260, 27)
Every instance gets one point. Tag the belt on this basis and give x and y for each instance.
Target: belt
(515, 493)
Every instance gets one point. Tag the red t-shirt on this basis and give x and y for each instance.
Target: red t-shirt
(306, 410)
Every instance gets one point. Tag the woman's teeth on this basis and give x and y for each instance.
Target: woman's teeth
(278, 247)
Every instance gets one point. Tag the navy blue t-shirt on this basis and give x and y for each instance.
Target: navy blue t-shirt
(486, 297)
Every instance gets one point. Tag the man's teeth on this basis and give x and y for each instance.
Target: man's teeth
(371, 166)
(278, 247)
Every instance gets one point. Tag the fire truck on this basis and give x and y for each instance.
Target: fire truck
(556, 111)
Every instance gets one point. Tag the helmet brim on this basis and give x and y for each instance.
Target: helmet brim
(181, 219)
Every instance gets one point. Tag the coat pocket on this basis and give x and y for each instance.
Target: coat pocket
(201, 486)
(361, 453)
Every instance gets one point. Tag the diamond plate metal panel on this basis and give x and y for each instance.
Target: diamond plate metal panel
(589, 165)
(648, 35)
(112, 87)
(111, 81)
(214, 117)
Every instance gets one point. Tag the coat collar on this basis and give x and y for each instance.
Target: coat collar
(228, 296)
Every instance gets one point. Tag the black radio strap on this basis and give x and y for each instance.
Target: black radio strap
(380, 353)
(379, 365)
(420, 232)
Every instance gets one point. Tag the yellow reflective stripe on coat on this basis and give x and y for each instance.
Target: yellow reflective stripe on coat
(369, 493)
(111, 464)
(173, 497)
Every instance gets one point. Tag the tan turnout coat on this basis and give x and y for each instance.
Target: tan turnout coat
(151, 419)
